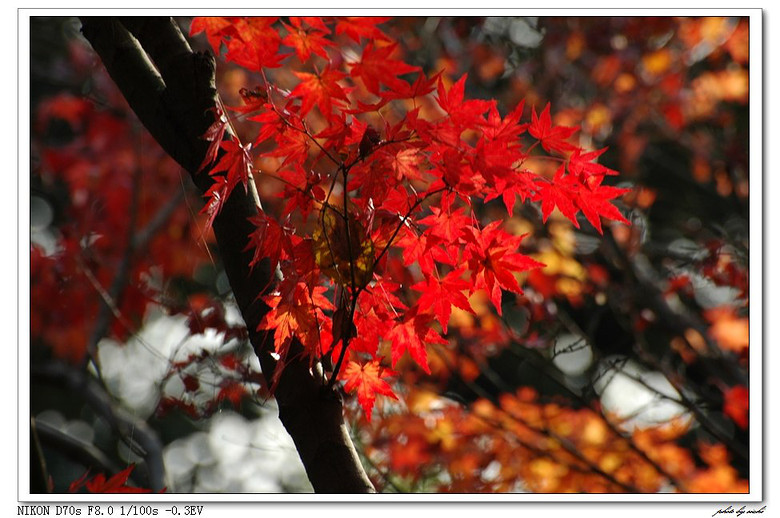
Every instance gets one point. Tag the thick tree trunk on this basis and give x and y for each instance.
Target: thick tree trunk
(171, 89)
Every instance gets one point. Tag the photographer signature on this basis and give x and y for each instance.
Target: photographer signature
(739, 512)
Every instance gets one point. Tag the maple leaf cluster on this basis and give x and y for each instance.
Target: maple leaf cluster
(381, 167)
(114, 484)
(549, 447)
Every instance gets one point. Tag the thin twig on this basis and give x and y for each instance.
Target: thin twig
(82, 452)
(476, 389)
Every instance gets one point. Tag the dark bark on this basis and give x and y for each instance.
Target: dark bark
(171, 89)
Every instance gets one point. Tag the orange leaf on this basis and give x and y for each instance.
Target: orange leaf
(411, 335)
(296, 312)
(367, 380)
(736, 405)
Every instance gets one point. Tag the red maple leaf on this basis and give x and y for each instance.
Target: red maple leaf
(215, 28)
(236, 163)
(214, 134)
(440, 295)
(462, 113)
(375, 316)
(444, 222)
(362, 27)
(372, 179)
(457, 169)
(297, 312)
(307, 35)
(582, 165)
(376, 66)
(406, 164)
(422, 86)
(553, 138)
(215, 196)
(506, 129)
(115, 484)
(560, 193)
(271, 123)
(510, 186)
(268, 240)
(567, 193)
(367, 380)
(593, 200)
(320, 89)
(256, 44)
(292, 144)
(411, 335)
(422, 249)
(300, 190)
(493, 260)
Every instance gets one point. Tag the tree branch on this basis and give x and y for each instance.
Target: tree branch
(172, 90)
(134, 431)
(79, 451)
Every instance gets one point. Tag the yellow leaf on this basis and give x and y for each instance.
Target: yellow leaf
(658, 62)
(343, 251)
